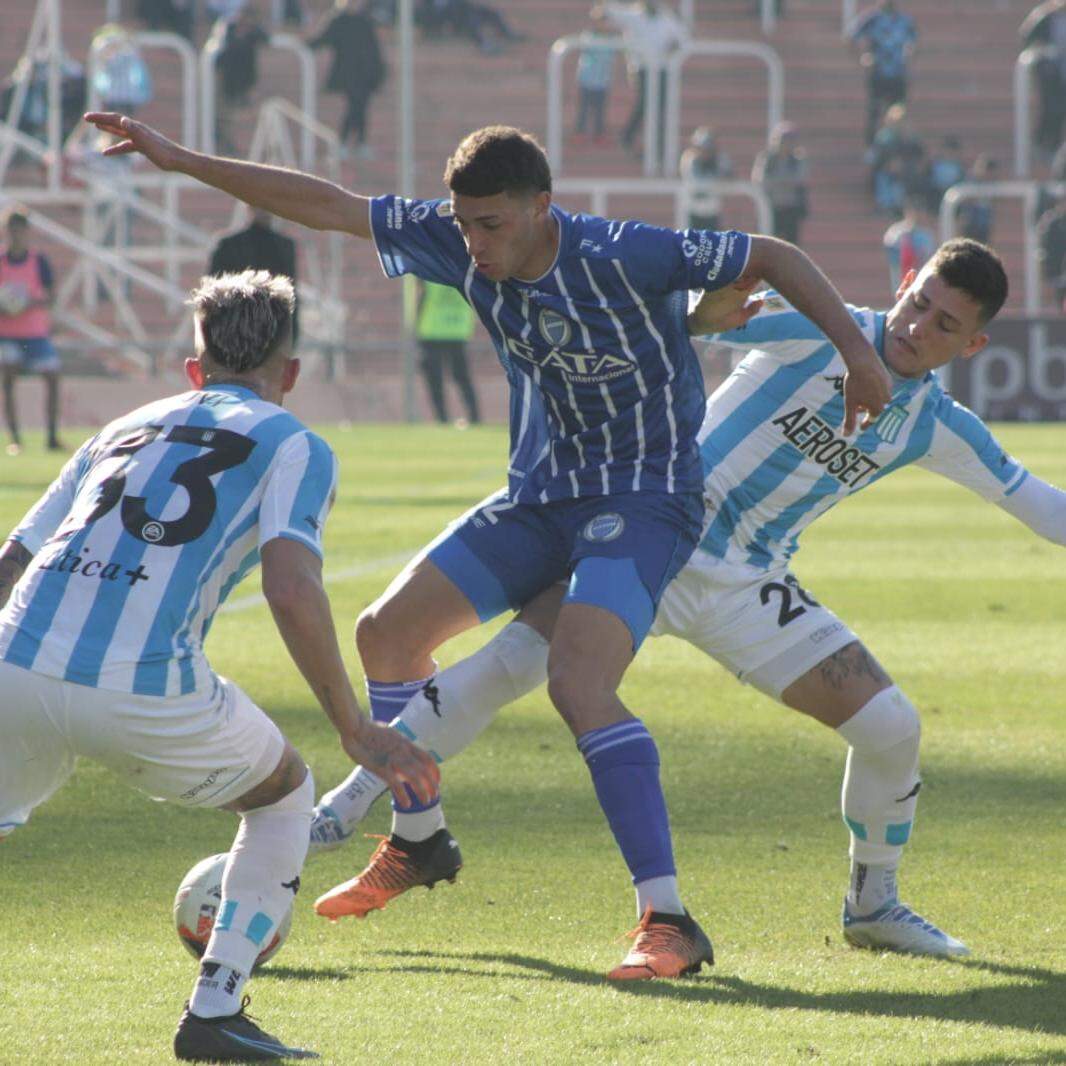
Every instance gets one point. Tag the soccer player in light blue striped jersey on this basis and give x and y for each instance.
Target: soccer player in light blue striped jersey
(108, 588)
(774, 459)
(588, 319)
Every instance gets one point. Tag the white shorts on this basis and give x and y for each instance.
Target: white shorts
(759, 624)
(201, 750)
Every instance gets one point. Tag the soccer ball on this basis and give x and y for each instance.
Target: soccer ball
(196, 906)
(13, 298)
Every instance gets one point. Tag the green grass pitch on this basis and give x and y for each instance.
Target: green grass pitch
(963, 606)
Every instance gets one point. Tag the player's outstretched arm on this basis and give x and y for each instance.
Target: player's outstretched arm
(313, 202)
(792, 273)
(14, 558)
(292, 585)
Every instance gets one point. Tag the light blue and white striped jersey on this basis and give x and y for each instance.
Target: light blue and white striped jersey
(147, 529)
(774, 455)
(606, 390)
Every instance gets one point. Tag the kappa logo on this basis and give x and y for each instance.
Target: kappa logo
(604, 527)
(554, 328)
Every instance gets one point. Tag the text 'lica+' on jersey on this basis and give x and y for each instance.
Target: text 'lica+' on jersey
(147, 529)
(774, 453)
(606, 390)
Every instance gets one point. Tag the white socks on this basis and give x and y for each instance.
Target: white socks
(880, 794)
(259, 885)
(661, 894)
(461, 702)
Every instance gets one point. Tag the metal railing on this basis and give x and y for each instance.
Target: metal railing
(762, 53)
(1028, 192)
(1023, 111)
(45, 34)
(308, 93)
(599, 190)
(848, 11)
(671, 135)
(323, 309)
(170, 42)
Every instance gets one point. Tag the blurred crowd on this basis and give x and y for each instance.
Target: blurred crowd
(624, 47)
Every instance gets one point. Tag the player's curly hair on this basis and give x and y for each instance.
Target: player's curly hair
(498, 159)
(243, 317)
(976, 269)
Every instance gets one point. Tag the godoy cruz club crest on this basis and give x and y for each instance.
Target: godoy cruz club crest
(554, 328)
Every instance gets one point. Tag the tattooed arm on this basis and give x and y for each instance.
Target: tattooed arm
(14, 558)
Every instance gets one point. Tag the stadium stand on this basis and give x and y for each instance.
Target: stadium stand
(965, 91)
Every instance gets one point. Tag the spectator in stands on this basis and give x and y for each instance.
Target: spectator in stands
(910, 241)
(651, 31)
(121, 80)
(237, 40)
(357, 69)
(886, 39)
(258, 247)
(481, 23)
(701, 162)
(975, 217)
(26, 294)
(33, 119)
(444, 327)
(897, 161)
(781, 169)
(1045, 26)
(1051, 238)
(946, 168)
(595, 72)
(174, 16)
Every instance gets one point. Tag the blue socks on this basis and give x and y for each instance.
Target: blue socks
(624, 764)
(387, 699)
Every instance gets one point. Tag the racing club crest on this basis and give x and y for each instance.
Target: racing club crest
(554, 328)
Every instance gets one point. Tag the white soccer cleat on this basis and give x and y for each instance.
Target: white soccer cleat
(327, 831)
(895, 927)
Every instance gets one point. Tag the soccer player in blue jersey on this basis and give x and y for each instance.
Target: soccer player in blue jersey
(588, 317)
(108, 588)
(774, 460)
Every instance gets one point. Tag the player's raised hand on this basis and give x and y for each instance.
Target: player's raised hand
(133, 136)
(725, 309)
(396, 761)
(867, 387)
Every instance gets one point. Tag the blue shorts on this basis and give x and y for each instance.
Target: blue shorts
(618, 552)
(34, 355)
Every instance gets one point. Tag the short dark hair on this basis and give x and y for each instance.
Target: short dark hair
(16, 214)
(243, 317)
(498, 159)
(976, 270)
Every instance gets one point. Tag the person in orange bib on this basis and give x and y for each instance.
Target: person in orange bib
(26, 295)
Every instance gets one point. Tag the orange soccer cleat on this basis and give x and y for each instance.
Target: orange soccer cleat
(395, 866)
(664, 945)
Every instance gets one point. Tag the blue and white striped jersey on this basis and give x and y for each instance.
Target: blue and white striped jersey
(606, 390)
(147, 529)
(774, 456)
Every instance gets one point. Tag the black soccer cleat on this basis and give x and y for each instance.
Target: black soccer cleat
(231, 1038)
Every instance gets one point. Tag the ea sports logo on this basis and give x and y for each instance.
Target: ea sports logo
(604, 527)
(153, 532)
(554, 328)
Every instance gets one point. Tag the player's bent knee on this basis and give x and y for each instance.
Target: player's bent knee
(578, 699)
(290, 775)
(883, 722)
